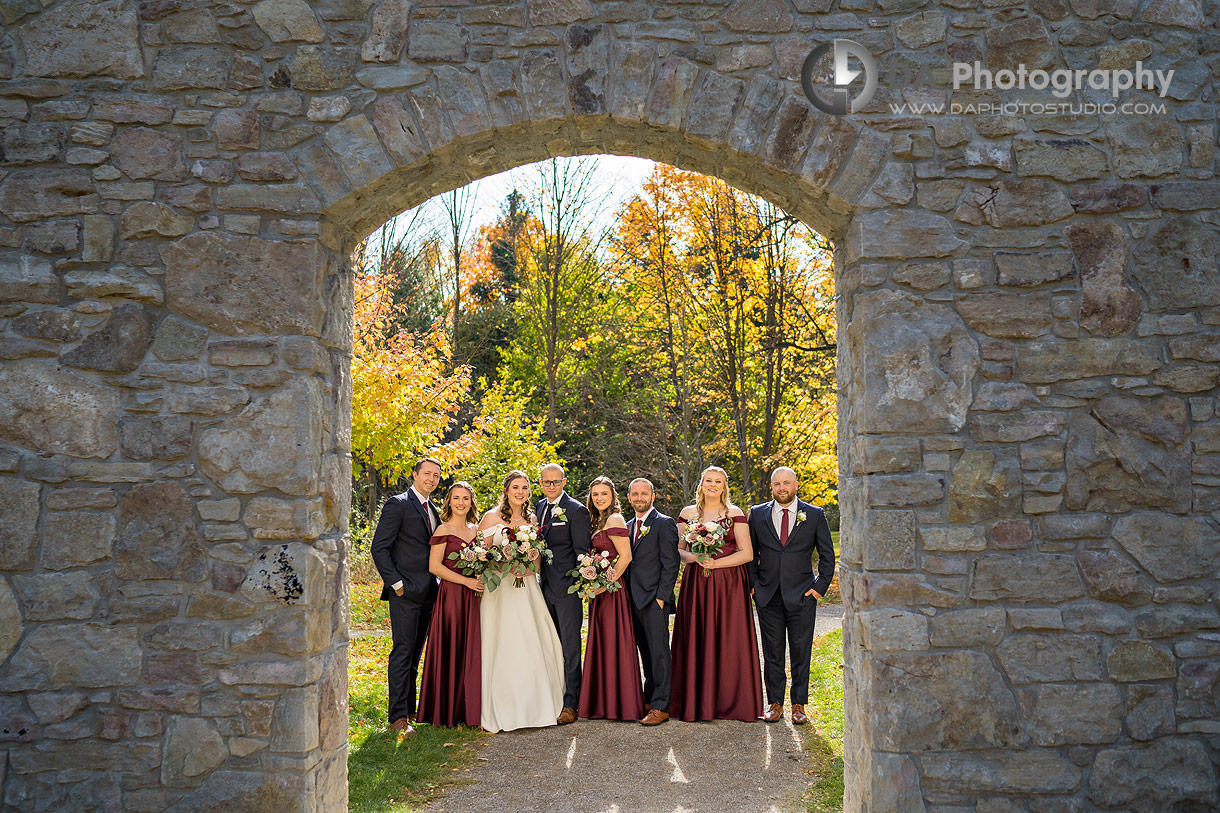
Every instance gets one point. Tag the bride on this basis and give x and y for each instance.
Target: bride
(522, 659)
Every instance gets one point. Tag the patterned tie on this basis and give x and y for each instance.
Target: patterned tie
(783, 529)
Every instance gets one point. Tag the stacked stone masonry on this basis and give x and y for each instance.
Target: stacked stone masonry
(1029, 354)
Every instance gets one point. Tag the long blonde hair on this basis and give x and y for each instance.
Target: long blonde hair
(724, 500)
(598, 518)
(472, 513)
(506, 511)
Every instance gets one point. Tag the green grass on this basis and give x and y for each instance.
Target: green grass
(369, 612)
(386, 775)
(825, 741)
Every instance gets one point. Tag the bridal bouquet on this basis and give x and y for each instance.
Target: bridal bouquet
(482, 557)
(593, 570)
(526, 551)
(705, 540)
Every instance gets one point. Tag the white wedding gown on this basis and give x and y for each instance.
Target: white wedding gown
(522, 659)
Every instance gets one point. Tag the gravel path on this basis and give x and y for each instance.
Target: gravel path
(595, 766)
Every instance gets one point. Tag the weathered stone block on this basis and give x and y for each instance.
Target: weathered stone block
(1169, 547)
(1129, 452)
(945, 700)
(1025, 577)
(1132, 661)
(913, 373)
(271, 518)
(275, 442)
(1110, 578)
(983, 486)
(1168, 773)
(1006, 315)
(56, 411)
(1089, 714)
(287, 21)
(146, 154)
(1032, 270)
(193, 748)
(968, 628)
(1050, 657)
(1150, 712)
(57, 596)
(49, 658)
(76, 538)
(35, 194)
(10, 623)
(177, 340)
(190, 67)
(241, 285)
(1045, 362)
(1174, 265)
(18, 524)
(84, 38)
(118, 345)
(1033, 771)
(894, 630)
(158, 536)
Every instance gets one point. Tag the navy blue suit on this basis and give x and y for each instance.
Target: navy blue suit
(565, 538)
(780, 576)
(651, 576)
(400, 551)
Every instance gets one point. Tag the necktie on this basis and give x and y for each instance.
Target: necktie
(783, 529)
(428, 514)
(635, 534)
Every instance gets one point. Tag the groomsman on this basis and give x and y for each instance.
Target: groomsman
(566, 528)
(787, 532)
(400, 551)
(650, 584)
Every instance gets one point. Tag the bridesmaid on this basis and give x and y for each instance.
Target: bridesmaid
(715, 652)
(610, 688)
(452, 683)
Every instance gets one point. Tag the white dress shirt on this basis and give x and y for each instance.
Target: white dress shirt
(777, 516)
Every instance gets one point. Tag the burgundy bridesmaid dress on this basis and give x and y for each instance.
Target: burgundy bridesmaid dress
(452, 686)
(716, 675)
(611, 688)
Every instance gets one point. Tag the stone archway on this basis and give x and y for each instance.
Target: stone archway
(1027, 313)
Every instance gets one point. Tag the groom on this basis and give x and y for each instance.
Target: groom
(787, 533)
(650, 584)
(566, 528)
(400, 550)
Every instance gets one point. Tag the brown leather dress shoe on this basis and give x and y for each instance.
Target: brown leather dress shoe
(774, 713)
(403, 726)
(655, 717)
(568, 715)
(798, 714)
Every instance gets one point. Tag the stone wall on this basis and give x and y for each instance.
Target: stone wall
(1030, 332)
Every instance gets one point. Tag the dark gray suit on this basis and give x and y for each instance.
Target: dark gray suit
(565, 538)
(651, 576)
(780, 576)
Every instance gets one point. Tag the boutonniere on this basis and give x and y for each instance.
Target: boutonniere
(644, 529)
(800, 516)
(559, 514)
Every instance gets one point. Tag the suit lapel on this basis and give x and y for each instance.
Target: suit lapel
(770, 519)
(424, 511)
(644, 523)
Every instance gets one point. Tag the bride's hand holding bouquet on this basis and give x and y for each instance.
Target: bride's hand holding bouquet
(526, 551)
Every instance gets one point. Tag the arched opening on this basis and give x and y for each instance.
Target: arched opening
(763, 228)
